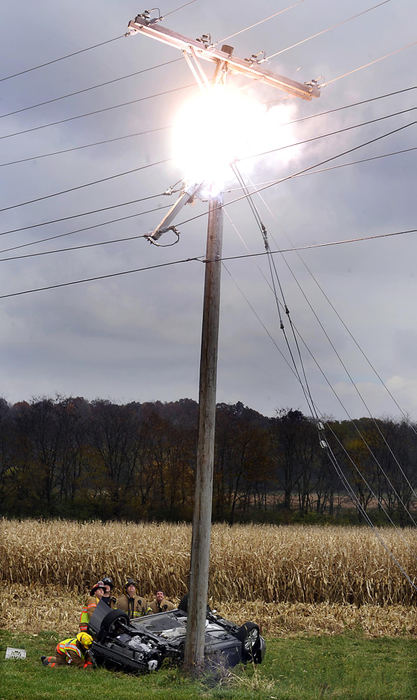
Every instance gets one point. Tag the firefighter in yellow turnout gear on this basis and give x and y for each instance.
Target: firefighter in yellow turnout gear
(72, 651)
(91, 603)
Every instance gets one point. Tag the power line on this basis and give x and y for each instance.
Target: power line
(257, 155)
(75, 247)
(100, 277)
(256, 24)
(310, 167)
(327, 244)
(85, 228)
(86, 184)
(352, 104)
(347, 165)
(98, 111)
(171, 12)
(92, 87)
(305, 386)
(328, 29)
(68, 55)
(329, 133)
(88, 48)
(200, 258)
(169, 126)
(371, 63)
(88, 145)
(84, 213)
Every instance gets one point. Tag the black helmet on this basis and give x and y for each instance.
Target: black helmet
(130, 582)
(108, 581)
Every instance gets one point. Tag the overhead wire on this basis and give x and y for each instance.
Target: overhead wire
(250, 157)
(274, 276)
(353, 162)
(85, 213)
(86, 184)
(88, 145)
(169, 126)
(306, 388)
(232, 257)
(61, 58)
(305, 170)
(88, 89)
(101, 277)
(370, 63)
(350, 377)
(85, 228)
(256, 24)
(327, 29)
(87, 48)
(171, 12)
(98, 111)
(314, 411)
(313, 408)
(329, 133)
(308, 168)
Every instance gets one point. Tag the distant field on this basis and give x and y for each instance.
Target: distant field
(290, 579)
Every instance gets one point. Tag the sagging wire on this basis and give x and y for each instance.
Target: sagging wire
(320, 423)
(274, 275)
(348, 374)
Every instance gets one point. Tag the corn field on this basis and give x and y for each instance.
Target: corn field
(249, 563)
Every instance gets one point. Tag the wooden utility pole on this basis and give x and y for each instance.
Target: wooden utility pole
(200, 547)
(194, 50)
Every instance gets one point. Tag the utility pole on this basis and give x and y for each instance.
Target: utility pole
(203, 492)
(193, 50)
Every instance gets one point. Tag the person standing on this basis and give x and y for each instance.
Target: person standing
(130, 602)
(108, 598)
(96, 594)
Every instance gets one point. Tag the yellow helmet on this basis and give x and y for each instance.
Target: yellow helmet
(85, 639)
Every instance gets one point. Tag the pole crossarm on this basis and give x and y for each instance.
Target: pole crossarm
(250, 68)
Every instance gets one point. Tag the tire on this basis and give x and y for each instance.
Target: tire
(249, 635)
(110, 622)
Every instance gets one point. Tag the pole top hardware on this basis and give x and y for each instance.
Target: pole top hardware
(259, 57)
(203, 49)
(152, 238)
(205, 39)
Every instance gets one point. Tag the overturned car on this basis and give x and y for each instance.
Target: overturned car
(142, 644)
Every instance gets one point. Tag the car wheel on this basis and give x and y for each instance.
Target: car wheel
(249, 635)
(111, 621)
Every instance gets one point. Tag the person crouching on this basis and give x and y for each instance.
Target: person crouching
(73, 651)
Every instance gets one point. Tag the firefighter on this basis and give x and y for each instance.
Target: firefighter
(72, 651)
(130, 602)
(96, 594)
(159, 604)
(108, 587)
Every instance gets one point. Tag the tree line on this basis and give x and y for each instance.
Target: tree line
(69, 457)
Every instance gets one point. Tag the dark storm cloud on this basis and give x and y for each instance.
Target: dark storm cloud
(137, 337)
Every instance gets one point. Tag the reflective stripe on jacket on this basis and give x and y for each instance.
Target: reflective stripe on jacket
(86, 613)
(69, 649)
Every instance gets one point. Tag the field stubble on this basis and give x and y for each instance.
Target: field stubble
(291, 579)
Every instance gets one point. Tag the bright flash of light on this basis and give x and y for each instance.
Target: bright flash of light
(220, 125)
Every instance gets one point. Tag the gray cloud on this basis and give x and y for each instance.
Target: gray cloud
(137, 337)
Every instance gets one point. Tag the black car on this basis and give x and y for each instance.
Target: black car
(141, 644)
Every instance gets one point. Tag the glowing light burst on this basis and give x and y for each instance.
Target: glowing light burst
(219, 126)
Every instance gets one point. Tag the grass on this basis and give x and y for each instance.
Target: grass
(344, 666)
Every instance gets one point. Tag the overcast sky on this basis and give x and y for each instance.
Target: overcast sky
(137, 337)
